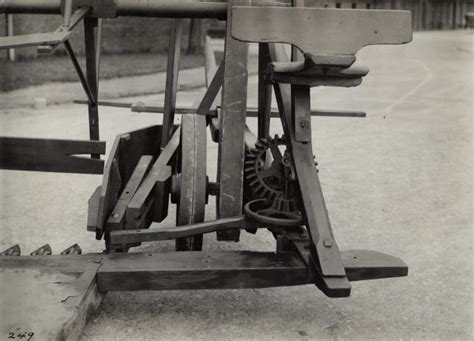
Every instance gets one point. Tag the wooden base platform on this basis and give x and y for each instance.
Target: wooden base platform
(53, 297)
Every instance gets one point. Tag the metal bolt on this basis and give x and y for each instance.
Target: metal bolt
(327, 243)
(304, 124)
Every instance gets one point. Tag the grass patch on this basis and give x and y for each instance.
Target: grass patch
(24, 73)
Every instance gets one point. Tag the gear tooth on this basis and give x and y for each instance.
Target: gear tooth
(253, 182)
(251, 156)
(249, 169)
(12, 251)
(250, 176)
(44, 250)
(250, 162)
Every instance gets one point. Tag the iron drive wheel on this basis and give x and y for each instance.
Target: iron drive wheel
(192, 179)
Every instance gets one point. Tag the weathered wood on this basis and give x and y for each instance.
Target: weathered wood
(212, 92)
(126, 151)
(116, 220)
(264, 92)
(50, 155)
(201, 270)
(90, 25)
(329, 36)
(59, 304)
(67, 27)
(301, 108)
(170, 233)
(136, 205)
(93, 209)
(109, 191)
(192, 179)
(32, 40)
(172, 72)
(232, 126)
(363, 265)
(162, 196)
(331, 278)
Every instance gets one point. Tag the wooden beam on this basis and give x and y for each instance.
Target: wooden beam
(232, 127)
(201, 270)
(50, 155)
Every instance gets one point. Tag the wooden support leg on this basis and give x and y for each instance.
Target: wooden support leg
(232, 127)
(90, 25)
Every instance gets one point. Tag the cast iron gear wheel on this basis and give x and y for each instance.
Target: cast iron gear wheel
(270, 176)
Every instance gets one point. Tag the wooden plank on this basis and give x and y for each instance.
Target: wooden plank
(361, 265)
(109, 191)
(50, 146)
(170, 233)
(322, 32)
(116, 219)
(232, 127)
(136, 205)
(32, 39)
(93, 209)
(50, 155)
(201, 270)
(59, 304)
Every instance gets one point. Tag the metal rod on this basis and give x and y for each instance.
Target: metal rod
(251, 112)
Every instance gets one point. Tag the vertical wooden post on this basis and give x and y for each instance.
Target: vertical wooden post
(264, 92)
(174, 53)
(90, 26)
(232, 127)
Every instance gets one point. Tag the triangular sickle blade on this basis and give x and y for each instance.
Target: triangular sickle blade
(12, 251)
(45, 250)
(72, 250)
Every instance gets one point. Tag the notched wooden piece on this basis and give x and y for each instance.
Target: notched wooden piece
(329, 36)
(50, 155)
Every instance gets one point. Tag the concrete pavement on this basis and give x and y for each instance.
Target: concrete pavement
(399, 181)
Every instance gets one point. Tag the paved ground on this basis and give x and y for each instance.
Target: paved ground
(399, 181)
